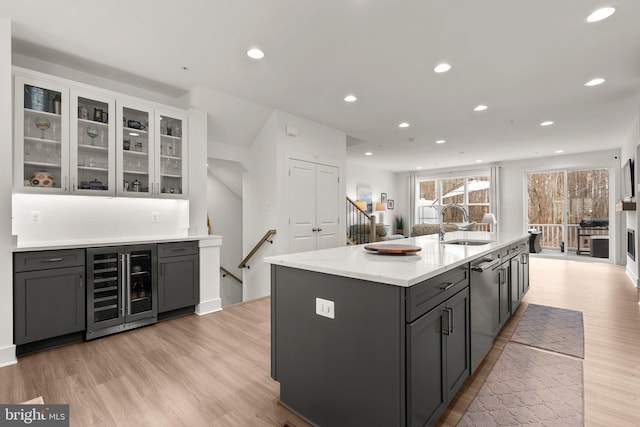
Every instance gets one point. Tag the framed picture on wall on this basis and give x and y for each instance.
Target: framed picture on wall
(383, 197)
(390, 204)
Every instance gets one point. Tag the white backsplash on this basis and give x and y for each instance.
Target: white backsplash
(50, 219)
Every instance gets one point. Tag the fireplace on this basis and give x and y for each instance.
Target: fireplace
(631, 243)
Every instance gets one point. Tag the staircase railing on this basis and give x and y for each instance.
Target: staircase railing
(258, 245)
(226, 273)
(361, 226)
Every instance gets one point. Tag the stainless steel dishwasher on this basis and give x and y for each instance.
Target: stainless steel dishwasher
(489, 303)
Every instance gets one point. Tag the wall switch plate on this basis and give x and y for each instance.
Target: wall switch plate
(325, 308)
(35, 217)
(155, 216)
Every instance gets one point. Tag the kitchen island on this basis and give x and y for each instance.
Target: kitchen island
(360, 338)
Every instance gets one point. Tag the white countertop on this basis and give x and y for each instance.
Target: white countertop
(115, 241)
(401, 270)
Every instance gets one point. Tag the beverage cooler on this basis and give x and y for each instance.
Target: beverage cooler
(121, 289)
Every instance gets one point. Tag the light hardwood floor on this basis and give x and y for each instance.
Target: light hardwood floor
(214, 370)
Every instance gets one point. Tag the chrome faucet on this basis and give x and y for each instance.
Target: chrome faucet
(465, 217)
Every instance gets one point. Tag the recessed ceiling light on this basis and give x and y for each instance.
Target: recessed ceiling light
(442, 68)
(368, 153)
(350, 98)
(601, 14)
(547, 123)
(440, 141)
(478, 161)
(404, 125)
(595, 82)
(255, 53)
(418, 167)
(559, 151)
(480, 107)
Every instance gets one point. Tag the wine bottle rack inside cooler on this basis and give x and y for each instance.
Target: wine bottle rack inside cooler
(106, 295)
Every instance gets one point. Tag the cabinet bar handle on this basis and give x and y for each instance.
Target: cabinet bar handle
(122, 282)
(445, 330)
(81, 280)
(54, 259)
(450, 310)
(447, 286)
(128, 284)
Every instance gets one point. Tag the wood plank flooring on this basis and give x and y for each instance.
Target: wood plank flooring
(214, 370)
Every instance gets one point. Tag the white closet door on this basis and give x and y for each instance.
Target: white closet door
(302, 206)
(327, 205)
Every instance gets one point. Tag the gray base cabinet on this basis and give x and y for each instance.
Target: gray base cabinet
(439, 357)
(391, 356)
(49, 294)
(178, 276)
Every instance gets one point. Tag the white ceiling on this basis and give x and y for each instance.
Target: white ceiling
(526, 60)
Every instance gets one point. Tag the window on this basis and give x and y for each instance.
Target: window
(470, 192)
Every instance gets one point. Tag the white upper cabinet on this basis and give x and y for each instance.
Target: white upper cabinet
(136, 150)
(92, 144)
(72, 138)
(171, 161)
(41, 128)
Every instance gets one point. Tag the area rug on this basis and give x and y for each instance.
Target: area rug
(551, 328)
(528, 386)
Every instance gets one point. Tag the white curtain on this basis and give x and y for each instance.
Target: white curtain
(494, 197)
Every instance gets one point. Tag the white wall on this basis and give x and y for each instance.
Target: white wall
(7, 349)
(379, 181)
(225, 212)
(76, 218)
(259, 190)
(197, 168)
(93, 80)
(265, 191)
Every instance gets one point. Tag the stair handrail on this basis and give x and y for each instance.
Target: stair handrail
(226, 272)
(258, 245)
(371, 219)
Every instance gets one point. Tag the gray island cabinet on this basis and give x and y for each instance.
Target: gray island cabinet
(361, 339)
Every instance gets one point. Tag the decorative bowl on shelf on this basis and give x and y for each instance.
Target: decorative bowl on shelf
(43, 179)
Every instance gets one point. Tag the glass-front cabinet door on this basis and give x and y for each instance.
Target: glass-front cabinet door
(135, 150)
(171, 165)
(93, 160)
(41, 136)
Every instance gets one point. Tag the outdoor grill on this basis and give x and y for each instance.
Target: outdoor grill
(590, 227)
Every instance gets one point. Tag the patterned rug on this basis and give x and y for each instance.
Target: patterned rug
(551, 328)
(530, 386)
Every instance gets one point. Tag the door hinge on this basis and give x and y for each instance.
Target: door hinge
(338, 180)
(289, 172)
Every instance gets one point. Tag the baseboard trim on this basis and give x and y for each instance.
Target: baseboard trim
(632, 276)
(207, 307)
(8, 356)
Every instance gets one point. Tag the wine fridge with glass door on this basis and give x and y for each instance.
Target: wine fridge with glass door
(121, 289)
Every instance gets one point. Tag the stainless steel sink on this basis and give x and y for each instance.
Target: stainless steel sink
(467, 242)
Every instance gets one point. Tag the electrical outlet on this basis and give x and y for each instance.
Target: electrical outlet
(35, 217)
(155, 216)
(325, 308)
